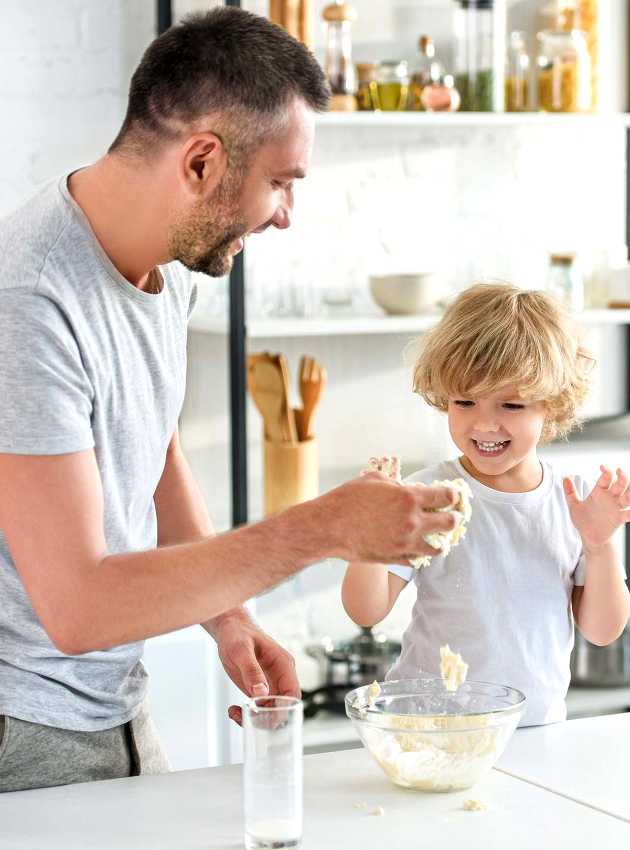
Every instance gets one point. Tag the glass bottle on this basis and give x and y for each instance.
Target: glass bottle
(480, 54)
(441, 95)
(426, 70)
(564, 72)
(517, 74)
(366, 75)
(565, 282)
(339, 17)
(390, 91)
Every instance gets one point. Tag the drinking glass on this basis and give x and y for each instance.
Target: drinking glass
(272, 773)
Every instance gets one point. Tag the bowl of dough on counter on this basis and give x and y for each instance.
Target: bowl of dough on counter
(429, 738)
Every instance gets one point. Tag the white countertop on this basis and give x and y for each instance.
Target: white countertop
(201, 809)
(586, 760)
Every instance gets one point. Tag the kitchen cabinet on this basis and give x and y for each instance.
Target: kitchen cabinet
(530, 803)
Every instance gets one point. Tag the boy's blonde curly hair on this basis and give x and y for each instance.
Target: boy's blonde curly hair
(494, 335)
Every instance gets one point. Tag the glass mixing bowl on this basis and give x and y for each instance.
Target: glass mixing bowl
(430, 739)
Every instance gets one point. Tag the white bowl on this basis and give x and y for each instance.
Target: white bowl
(406, 294)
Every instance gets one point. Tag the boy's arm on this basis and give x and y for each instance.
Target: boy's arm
(601, 608)
(369, 592)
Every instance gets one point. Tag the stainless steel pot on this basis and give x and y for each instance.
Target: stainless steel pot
(601, 666)
(355, 662)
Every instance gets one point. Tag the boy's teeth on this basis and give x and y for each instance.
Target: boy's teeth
(489, 446)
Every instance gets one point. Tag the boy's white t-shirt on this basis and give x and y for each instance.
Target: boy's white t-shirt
(502, 597)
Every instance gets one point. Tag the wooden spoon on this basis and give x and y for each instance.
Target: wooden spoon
(266, 387)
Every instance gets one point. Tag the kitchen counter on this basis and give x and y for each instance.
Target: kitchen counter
(201, 809)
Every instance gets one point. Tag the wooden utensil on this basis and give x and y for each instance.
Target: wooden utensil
(312, 380)
(266, 387)
(290, 416)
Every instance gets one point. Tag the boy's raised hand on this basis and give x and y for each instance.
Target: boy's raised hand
(599, 515)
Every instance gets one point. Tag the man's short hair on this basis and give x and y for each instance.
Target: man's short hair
(228, 63)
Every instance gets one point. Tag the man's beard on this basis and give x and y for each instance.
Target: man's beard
(202, 240)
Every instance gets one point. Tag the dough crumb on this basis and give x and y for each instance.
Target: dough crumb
(453, 668)
(362, 805)
(473, 806)
(373, 692)
(379, 811)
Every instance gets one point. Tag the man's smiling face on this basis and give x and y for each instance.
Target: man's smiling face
(213, 231)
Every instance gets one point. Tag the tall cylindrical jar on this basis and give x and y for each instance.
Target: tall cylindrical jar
(480, 54)
(583, 15)
(517, 74)
(563, 72)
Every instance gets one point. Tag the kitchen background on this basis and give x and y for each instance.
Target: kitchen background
(468, 196)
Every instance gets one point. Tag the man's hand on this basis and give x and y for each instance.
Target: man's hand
(372, 518)
(603, 511)
(252, 659)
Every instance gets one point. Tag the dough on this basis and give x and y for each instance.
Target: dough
(442, 540)
(452, 668)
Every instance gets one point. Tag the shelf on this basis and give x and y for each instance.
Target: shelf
(468, 119)
(355, 325)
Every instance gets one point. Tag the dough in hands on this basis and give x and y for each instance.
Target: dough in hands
(453, 668)
(442, 540)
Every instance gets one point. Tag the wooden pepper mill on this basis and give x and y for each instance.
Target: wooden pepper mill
(339, 17)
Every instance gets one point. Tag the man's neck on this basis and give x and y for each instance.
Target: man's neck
(128, 220)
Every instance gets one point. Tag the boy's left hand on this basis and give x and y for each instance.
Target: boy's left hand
(603, 511)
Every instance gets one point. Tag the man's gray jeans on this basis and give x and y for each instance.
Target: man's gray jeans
(37, 756)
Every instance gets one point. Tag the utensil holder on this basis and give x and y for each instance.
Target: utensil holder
(291, 474)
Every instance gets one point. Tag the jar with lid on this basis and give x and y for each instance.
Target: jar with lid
(564, 72)
(480, 54)
(339, 17)
(390, 91)
(366, 77)
(425, 70)
(565, 282)
(517, 74)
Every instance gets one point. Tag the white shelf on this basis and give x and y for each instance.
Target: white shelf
(468, 119)
(353, 325)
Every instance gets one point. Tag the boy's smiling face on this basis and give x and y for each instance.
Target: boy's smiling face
(498, 434)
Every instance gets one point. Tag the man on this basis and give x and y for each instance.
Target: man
(105, 540)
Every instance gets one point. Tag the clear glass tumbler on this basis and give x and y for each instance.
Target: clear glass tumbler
(272, 773)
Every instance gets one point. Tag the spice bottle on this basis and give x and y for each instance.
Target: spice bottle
(339, 17)
(517, 73)
(441, 95)
(564, 72)
(426, 70)
(366, 77)
(565, 282)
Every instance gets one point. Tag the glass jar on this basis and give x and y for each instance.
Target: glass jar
(564, 72)
(583, 15)
(390, 91)
(517, 72)
(366, 75)
(425, 70)
(480, 54)
(565, 282)
(338, 65)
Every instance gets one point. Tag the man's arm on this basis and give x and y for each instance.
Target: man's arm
(51, 514)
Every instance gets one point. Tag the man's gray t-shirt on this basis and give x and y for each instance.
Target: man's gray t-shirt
(87, 360)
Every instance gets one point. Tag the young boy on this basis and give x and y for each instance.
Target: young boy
(505, 366)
